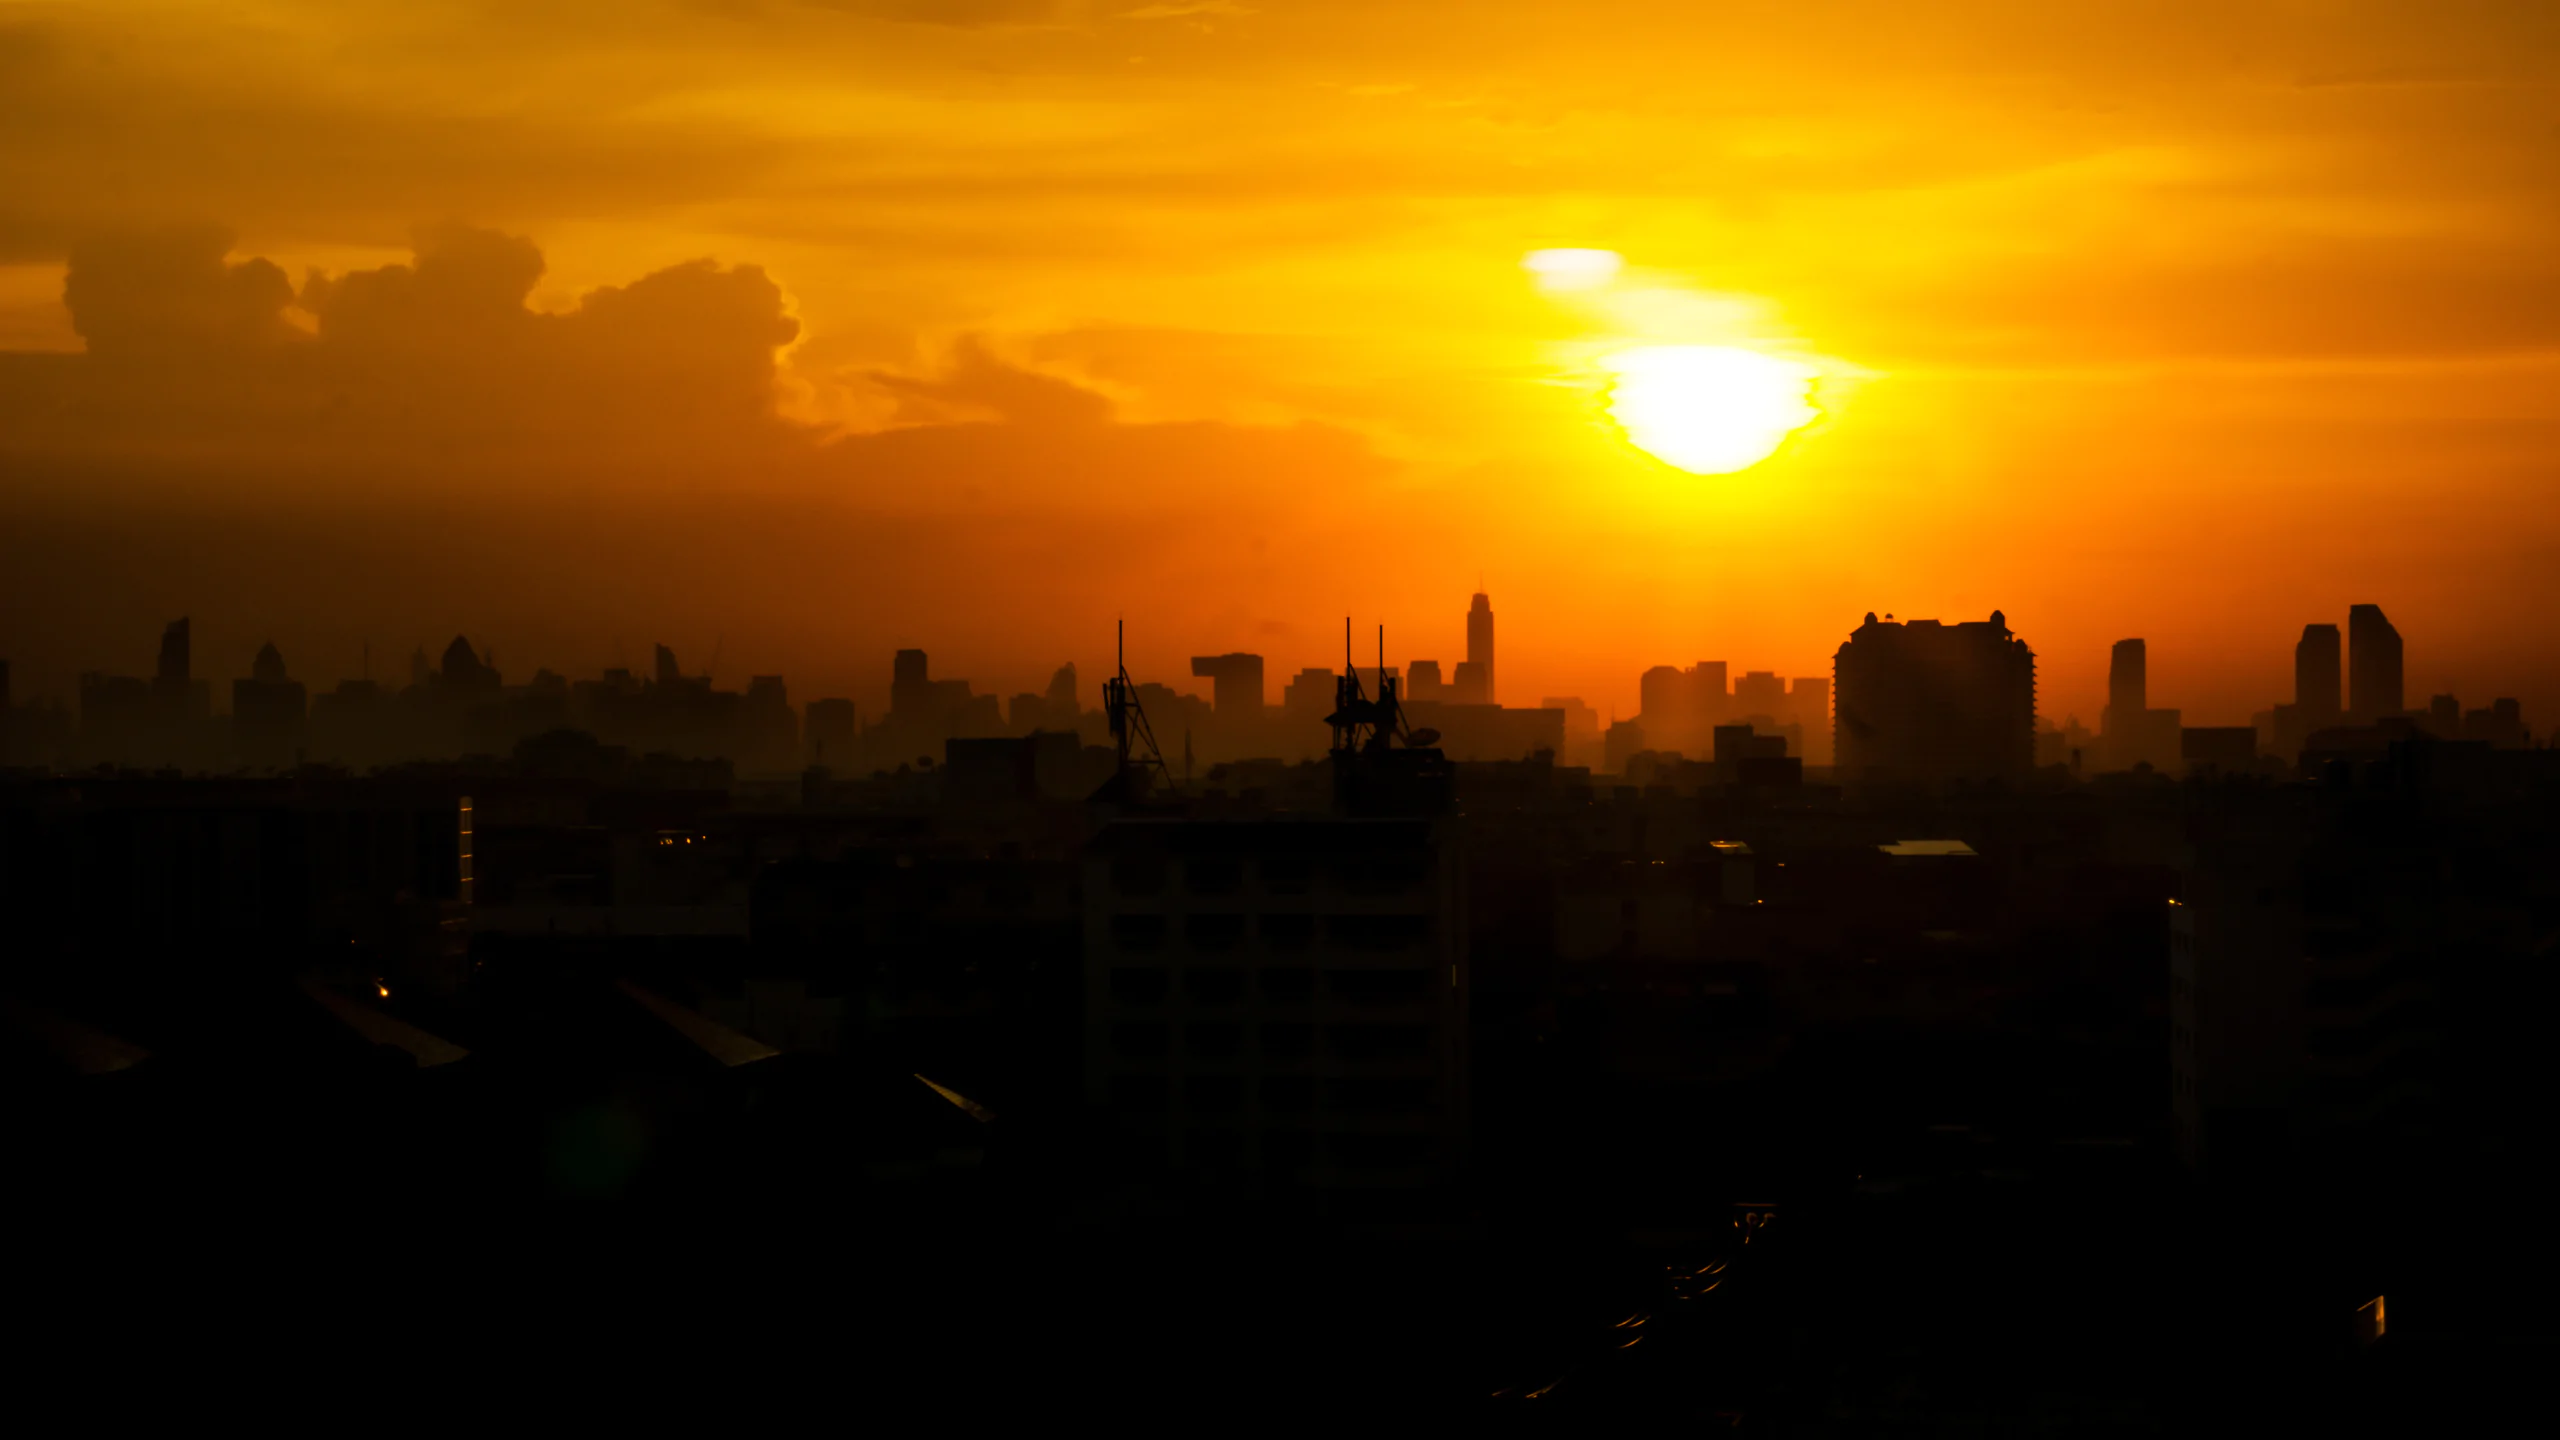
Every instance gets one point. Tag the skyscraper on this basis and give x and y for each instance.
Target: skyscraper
(2319, 677)
(2373, 665)
(176, 666)
(1480, 647)
(1924, 703)
(2129, 677)
(1235, 682)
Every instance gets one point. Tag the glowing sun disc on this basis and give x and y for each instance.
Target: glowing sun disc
(1708, 409)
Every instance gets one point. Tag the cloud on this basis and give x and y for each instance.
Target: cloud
(1188, 10)
(173, 293)
(966, 14)
(976, 384)
(189, 348)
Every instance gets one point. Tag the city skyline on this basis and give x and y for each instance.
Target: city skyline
(868, 683)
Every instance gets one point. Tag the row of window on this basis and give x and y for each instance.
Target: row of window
(1293, 1150)
(1279, 874)
(1272, 985)
(1277, 1094)
(1276, 1040)
(1279, 932)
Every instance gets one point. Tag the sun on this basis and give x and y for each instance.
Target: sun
(1708, 409)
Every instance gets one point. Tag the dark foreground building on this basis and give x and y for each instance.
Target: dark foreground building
(1926, 704)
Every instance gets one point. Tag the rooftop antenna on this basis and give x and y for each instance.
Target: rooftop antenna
(1131, 736)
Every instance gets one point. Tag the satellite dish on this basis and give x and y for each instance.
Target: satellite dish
(1423, 737)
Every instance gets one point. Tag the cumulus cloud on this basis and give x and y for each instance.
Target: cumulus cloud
(186, 344)
(173, 293)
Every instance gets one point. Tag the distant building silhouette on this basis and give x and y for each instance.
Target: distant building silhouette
(2319, 677)
(2132, 732)
(1481, 690)
(1423, 681)
(176, 644)
(1923, 703)
(1308, 698)
(268, 712)
(832, 728)
(2374, 689)
(1235, 684)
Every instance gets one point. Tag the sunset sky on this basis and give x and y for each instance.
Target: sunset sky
(801, 331)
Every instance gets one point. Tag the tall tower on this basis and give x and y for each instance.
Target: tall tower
(176, 662)
(2373, 665)
(2129, 678)
(1480, 644)
(2319, 677)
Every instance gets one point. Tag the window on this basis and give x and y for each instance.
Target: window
(1139, 1094)
(1378, 987)
(1213, 1094)
(1378, 1152)
(1141, 1040)
(1139, 984)
(1213, 987)
(1288, 1094)
(1377, 932)
(1383, 877)
(1138, 932)
(1288, 932)
(1214, 1039)
(1288, 875)
(1213, 932)
(1288, 984)
(1376, 1094)
(1138, 874)
(1212, 875)
(1378, 1042)
(1287, 1039)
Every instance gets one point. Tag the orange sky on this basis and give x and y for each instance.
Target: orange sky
(804, 330)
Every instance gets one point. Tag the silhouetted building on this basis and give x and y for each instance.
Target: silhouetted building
(2374, 690)
(1235, 684)
(2319, 678)
(1926, 704)
(1279, 1005)
(832, 726)
(1481, 690)
(465, 670)
(1423, 681)
(2134, 733)
(268, 711)
(1809, 706)
(2218, 749)
(1309, 698)
(1760, 693)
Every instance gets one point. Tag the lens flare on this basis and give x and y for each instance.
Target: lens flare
(1708, 409)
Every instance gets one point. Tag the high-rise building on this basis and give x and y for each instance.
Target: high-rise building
(1924, 703)
(2373, 665)
(1235, 683)
(1309, 698)
(1761, 693)
(1480, 648)
(1423, 682)
(2319, 677)
(175, 661)
(1468, 685)
(1281, 1004)
(268, 712)
(2129, 677)
(2134, 733)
